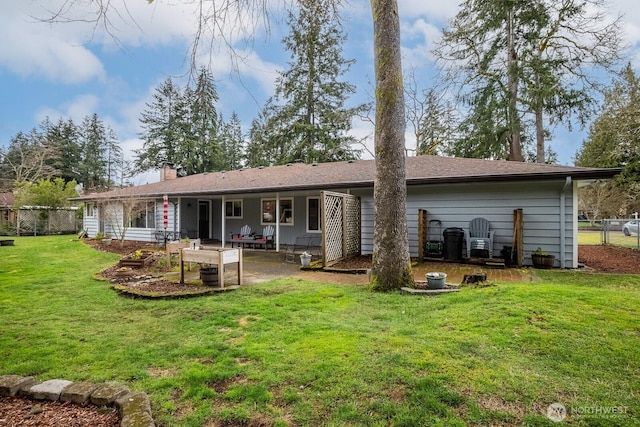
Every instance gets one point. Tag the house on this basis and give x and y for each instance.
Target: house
(453, 190)
(7, 215)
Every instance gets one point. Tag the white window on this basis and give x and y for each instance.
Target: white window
(269, 209)
(233, 209)
(143, 216)
(314, 219)
(90, 210)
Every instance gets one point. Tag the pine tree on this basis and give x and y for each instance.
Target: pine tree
(232, 143)
(163, 128)
(94, 145)
(519, 58)
(62, 138)
(614, 136)
(200, 149)
(309, 105)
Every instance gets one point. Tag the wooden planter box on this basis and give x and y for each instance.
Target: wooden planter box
(543, 261)
(140, 262)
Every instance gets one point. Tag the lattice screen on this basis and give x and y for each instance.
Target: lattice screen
(46, 221)
(340, 226)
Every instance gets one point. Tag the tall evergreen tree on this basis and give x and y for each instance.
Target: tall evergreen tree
(163, 128)
(62, 137)
(614, 136)
(311, 114)
(100, 154)
(92, 167)
(200, 149)
(521, 57)
(232, 143)
(182, 126)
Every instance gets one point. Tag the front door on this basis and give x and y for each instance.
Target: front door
(204, 209)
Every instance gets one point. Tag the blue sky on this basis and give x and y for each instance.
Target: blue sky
(73, 70)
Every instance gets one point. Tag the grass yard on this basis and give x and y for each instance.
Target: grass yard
(291, 352)
(616, 238)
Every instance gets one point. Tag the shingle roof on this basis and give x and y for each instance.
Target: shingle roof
(360, 173)
(6, 200)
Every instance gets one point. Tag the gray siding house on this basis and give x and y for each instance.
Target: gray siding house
(453, 190)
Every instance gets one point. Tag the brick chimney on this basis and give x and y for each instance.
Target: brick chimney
(168, 172)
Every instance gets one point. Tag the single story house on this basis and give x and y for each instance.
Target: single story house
(7, 214)
(452, 190)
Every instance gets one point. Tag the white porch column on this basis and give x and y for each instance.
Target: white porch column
(277, 222)
(224, 222)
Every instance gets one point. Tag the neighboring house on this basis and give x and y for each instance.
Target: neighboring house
(452, 190)
(7, 215)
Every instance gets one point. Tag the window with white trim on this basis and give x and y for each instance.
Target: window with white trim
(285, 213)
(90, 210)
(233, 209)
(313, 214)
(143, 216)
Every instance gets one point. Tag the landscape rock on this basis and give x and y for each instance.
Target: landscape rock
(78, 392)
(140, 419)
(11, 384)
(48, 390)
(133, 403)
(107, 394)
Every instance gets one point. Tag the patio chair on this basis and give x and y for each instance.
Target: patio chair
(245, 236)
(266, 238)
(479, 236)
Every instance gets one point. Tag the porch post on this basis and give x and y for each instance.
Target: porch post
(223, 221)
(277, 222)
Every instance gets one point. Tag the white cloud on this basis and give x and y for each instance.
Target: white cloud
(439, 11)
(42, 51)
(76, 109)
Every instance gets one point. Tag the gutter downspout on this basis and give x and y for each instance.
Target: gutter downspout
(563, 227)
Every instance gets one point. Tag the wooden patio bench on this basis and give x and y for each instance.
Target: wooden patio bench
(247, 237)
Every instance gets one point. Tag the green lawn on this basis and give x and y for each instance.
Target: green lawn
(291, 352)
(616, 238)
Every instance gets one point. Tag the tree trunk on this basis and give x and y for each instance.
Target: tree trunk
(540, 157)
(391, 266)
(515, 145)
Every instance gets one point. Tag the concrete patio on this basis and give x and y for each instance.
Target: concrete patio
(261, 266)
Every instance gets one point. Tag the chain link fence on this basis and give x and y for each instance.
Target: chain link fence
(620, 232)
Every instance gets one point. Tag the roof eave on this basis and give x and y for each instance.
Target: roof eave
(588, 174)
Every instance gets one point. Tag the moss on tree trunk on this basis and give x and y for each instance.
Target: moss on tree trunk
(391, 265)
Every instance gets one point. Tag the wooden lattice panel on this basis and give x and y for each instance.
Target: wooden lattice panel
(332, 228)
(353, 226)
(341, 226)
(46, 221)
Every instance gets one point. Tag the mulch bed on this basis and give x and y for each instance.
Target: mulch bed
(610, 259)
(21, 412)
(596, 258)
